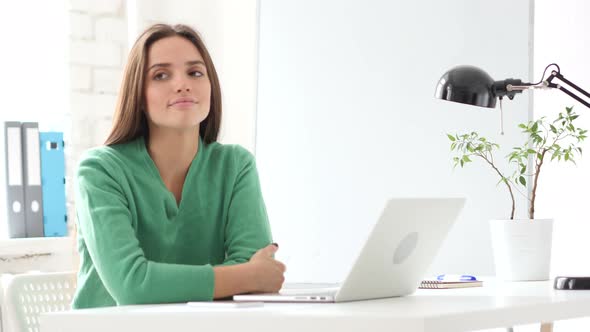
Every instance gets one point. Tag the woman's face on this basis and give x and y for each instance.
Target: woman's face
(177, 87)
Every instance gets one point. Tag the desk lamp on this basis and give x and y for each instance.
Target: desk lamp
(473, 86)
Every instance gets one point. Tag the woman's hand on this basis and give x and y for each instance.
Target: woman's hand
(268, 273)
(262, 274)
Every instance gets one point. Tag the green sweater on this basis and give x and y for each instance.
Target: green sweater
(137, 245)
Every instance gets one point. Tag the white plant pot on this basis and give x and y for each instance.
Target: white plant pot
(522, 248)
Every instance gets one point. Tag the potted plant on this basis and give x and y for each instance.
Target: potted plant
(522, 248)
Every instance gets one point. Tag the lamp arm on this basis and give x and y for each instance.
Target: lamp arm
(508, 88)
(557, 74)
(548, 83)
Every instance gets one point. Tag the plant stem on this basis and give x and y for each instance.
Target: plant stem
(537, 171)
(505, 182)
(535, 184)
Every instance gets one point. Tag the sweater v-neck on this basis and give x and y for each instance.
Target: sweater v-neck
(173, 208)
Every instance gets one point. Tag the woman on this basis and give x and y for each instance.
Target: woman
(165, 213)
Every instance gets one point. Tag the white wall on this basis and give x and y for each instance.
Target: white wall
(562, 190)
(347, 118)
(561, 37)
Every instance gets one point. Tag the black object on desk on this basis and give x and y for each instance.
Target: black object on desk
(572, 283)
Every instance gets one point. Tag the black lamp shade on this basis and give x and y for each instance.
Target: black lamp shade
(467, 85)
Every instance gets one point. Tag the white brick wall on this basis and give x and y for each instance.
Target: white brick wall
(106, 80)
(112, 7)
(98, 48)
(90, 105)
(111, 29)
(80, 77)
(92, 121)
(81, 26)
(95, 53)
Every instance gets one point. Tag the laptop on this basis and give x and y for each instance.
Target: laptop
(392, 262)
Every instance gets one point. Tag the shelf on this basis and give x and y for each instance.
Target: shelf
(38, 245)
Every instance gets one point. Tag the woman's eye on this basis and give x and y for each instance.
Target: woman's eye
(196, 73)
(160, 76)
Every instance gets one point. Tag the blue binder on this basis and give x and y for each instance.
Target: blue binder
(53, 182)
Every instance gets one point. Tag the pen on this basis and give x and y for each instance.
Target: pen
(455, 277)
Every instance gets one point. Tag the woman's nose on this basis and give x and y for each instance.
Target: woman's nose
(182, 85)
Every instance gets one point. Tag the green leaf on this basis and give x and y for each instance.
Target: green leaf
(522, 180)
(466, 159)
(553, 129)
(531, 151)
(451, 137)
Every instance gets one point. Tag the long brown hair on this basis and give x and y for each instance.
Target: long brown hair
(129, 121)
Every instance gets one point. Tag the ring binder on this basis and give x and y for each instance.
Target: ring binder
(53, 184)
(32, 180)
(14, 180)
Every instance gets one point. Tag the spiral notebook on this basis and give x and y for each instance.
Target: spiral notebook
(434, 284)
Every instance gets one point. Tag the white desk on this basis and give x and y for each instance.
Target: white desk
(494, 305)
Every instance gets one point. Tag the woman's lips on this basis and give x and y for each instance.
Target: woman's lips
(183, 104)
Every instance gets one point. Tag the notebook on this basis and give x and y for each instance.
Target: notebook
(437, 284)
(394, 258)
